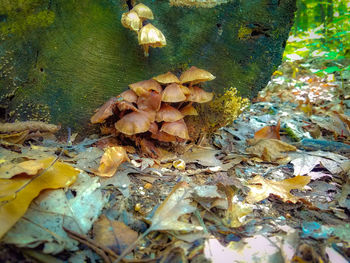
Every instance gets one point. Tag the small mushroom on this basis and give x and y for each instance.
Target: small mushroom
(168, 113)
(167, 78)
(125, 105)
(189, 110)
(143, 11)
(104, 111)
(195, 75)
(150, 101)
(199, 95)
(129, 96)
(150, 36)
(176, 128)
(131, 20)
(163, 137)
(153, 128)
(142, 88)
(133, 123)
(173, 93)
(185, 90)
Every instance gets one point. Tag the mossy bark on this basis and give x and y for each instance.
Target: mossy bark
(59, 60)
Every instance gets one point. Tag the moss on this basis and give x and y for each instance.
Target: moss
(244, 32)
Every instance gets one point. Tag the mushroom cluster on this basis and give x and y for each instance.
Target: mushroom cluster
(156, 108)
(148, 35)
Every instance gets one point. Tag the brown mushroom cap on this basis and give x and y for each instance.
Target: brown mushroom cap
(173, 93)
(129, 96)
(133, 123)
(153, 128)
(185, 90)
(189, 110)
(150, 36)
(176, 128)
(199, 95)
(125, 105)
(131, 20)
(150, 102)
(163, 137)
(196, 75)
(168, 113)
(167, 78)
(143, 11)
(104, 111)
(143, 87)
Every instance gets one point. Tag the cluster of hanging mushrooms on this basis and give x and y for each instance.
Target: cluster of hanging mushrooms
(155, 108)
(148, 35)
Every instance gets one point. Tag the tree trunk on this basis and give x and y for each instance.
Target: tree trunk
(59, 60)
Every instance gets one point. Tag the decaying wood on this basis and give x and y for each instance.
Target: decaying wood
(28, 125)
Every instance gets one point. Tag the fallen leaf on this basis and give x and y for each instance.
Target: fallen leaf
(113, 234)
(110, 161)
(270, 150)
(261, 188)
(269, 132)
(203, 156)
(57, 176)
(175, 205)
(31, 167)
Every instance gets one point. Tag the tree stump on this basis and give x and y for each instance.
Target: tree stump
(60, 60)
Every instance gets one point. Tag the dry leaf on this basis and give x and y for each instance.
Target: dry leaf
(113, 234)
(203, 156)
(270, 150)
(14, 203)
(269, 132)
(28, 167)
(175, 205)
(261, 188)
(110, 161)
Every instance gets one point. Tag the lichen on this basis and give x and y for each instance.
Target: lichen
(220, 112)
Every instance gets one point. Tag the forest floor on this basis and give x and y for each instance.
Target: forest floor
(272, 187)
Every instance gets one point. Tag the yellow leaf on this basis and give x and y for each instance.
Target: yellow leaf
(111, 159)
(14, 200)
(261, 188)
(27, 167)
(269, 150)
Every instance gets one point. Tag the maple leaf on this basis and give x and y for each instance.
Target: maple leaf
(261, 188)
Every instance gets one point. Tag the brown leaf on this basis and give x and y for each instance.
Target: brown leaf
(269, 132)
(113, 234)
(269, 150)
(28, 167)
(261, 188)
(110, 161)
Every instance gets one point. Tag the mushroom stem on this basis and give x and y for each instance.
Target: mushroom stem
(145, 50)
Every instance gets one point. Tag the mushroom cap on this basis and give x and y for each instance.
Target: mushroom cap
(189, 110)
(173, 93)
(168, 113)
(143, 87)
(185, 90)
(153, 128)
(163, 137)
(129, 96)
(167, 78)
(152, 36)
(176, 128)
(143, 11)
(125, 105)
(104, 111)
(150, 101)
(131, 20)
(196, 75)
(199, 95)
(133, 123)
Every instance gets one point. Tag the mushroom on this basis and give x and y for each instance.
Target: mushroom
(143, 87)
(189, 110)
(131, 20)
(150, 101)
(143, 11)
(195, 75)
(129, 96)
(168, 113)
(133, 123)
(104, 111)
(199, 95)
(173, 93)
(167, 78)
(176, 128)
(150, 36)
(153, 128)
(185, 90)
(163, 137)
(125, 105)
